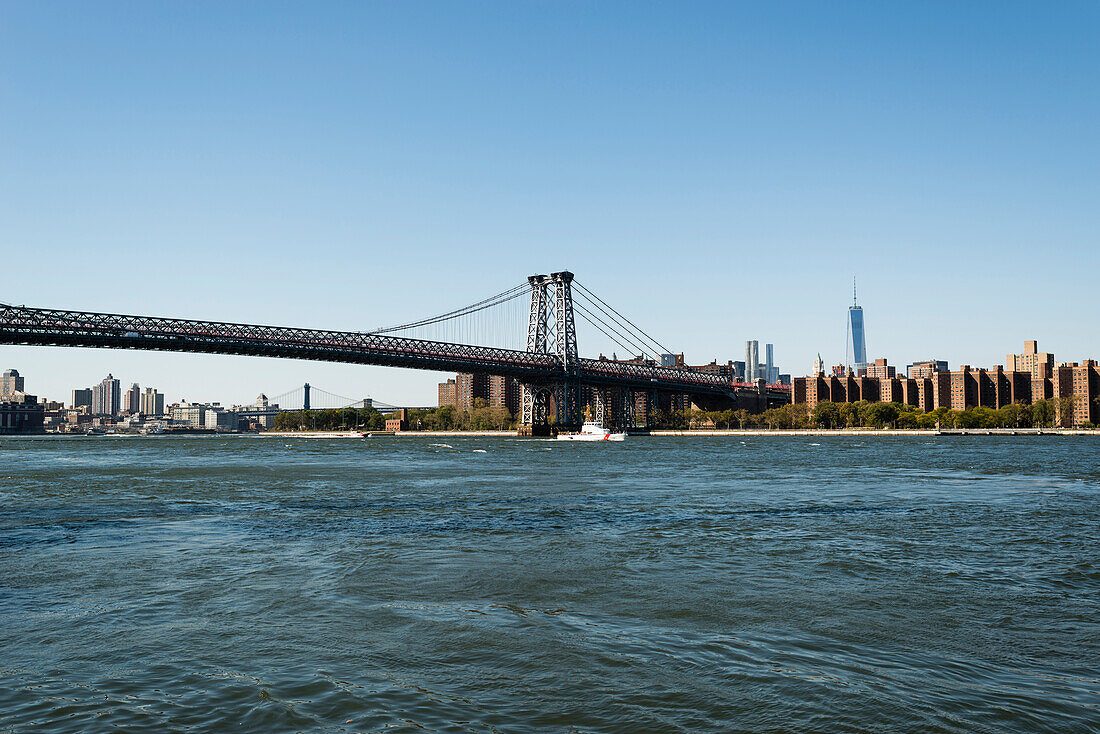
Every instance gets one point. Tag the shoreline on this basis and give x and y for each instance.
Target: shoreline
(882, 432)
(818, 432)
(675, 433)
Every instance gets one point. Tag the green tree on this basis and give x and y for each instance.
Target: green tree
(926, 421)
(742, 416)
(1042, 413)
(983, 417)
(826, 415)
(849, 415)
(772, 418)
(1064, 408)
(1008, 416)
(501, 418)
(880, 415)
(908, 419)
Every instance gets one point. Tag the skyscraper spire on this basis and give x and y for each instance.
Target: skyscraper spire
(856, 335)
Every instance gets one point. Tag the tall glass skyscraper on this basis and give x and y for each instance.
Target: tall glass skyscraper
(855, 332)
(752, 360)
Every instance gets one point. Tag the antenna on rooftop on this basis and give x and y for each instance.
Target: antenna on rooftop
(855, 302)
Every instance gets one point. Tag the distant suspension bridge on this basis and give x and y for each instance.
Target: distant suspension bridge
(311, 397)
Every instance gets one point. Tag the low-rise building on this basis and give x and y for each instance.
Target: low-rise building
(192, 415)
(398, 421)
(217, 418)
(21, 413)
(261, 413)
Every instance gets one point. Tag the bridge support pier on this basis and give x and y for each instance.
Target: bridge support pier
(535, 420)
(624, 418)
(613, 407)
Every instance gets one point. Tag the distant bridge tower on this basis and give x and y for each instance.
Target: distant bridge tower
(305, 396)
(551, 329)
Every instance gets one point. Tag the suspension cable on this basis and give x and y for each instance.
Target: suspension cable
(593, 319)
(496, 300)
(640, 331)
(622, 332)
(636, 332)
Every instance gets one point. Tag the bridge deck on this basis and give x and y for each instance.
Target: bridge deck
(51, 327)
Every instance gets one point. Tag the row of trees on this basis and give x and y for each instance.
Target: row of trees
(1040, 414)
(345, 419)
(449, 418)
(787, 416)
(480, 418)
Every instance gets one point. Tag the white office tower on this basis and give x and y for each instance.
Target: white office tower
(819, 364)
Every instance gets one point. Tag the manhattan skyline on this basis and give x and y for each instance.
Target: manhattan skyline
(718, 172)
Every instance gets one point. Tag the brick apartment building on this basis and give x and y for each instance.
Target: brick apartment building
(880, 369)
(448, 393)
(497, 391)
(1034, 376)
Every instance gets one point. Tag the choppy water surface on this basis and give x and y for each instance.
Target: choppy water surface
(662, 584)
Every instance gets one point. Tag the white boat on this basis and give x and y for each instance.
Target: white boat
(591, 431)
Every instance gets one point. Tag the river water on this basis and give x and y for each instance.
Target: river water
(509, 585)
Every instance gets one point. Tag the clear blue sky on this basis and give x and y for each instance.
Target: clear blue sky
(718, 171)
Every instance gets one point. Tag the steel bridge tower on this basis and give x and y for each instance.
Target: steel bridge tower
(552, 330)
(536, 398)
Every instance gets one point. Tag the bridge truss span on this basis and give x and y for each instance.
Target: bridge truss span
(51, 327)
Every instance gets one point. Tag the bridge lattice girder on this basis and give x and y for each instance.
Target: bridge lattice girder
(52, 327)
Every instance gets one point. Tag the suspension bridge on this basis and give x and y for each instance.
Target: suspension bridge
(528, 331)
(311, 397)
